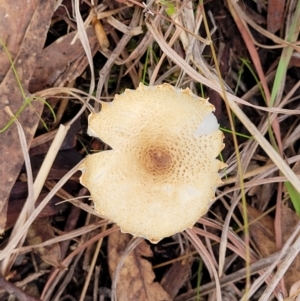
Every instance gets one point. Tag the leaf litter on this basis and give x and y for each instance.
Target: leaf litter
(58, 59)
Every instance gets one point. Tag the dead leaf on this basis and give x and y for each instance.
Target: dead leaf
(28, 23)
(15, 207)
(275, 15)
(176, 276)
(262, 231)
(136, 279)
(62, 61)
(40, 231)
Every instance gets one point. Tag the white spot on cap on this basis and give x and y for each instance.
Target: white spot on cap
(207, 126)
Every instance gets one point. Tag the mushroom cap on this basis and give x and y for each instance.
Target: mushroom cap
(161, 175)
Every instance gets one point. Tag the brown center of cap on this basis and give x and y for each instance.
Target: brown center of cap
(157, 160)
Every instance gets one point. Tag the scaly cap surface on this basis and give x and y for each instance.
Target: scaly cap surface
(161, 174)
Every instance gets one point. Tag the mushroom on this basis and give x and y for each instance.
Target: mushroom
(161, 175)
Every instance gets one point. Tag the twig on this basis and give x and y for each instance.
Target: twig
(17, 292)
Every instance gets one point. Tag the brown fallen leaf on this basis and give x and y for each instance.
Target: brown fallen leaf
(62, 61)
(15, 207)
(176, 276)
(262, 231)
(275, 15)
(23, 29)
(136, 279)
(40, 231)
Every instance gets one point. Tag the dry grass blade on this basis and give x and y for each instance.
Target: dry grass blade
(280, 42)
(71, 235)
(256, 267)
(292, 253)
(57, 275)
(29, 205)
(19, 234)
(199, 246)
(86, 45)
(266, 146)
(51, 155)
(91, 267)
(115, 54)
(11, 245)
(18, 39)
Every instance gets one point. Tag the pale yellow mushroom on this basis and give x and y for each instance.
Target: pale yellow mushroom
(161, 175)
